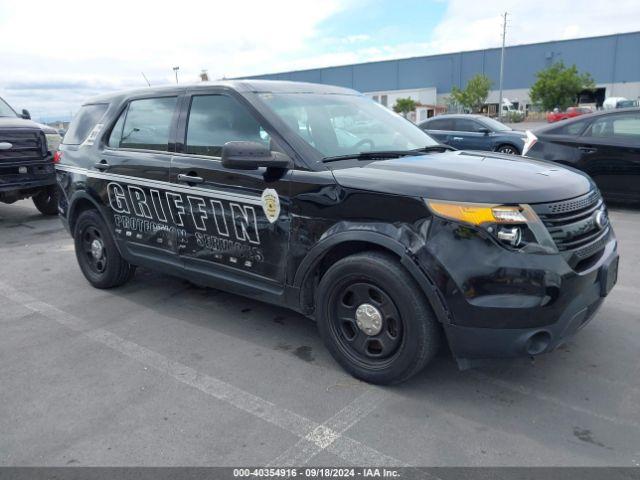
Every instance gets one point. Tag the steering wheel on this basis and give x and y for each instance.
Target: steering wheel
(363, 142)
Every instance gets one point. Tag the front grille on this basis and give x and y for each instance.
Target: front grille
(573, 227)
(25, 145)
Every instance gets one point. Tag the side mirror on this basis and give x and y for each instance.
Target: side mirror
(25, 114)
(251, 156)
(484, 130)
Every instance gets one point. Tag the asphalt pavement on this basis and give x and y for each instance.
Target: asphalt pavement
(163, 372)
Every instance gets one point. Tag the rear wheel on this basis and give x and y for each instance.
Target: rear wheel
(46, 201)
(375, 320)
(97, 254)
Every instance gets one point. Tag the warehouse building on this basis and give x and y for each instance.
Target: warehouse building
(612, 60)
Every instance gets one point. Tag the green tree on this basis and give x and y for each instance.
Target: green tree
(405, 105)
(559, 86)
(474, 94)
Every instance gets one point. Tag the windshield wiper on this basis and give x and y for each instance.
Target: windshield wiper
(370, 155)
(440, 147)
(388, 153)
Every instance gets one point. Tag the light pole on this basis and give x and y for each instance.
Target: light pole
(175, 70)
(504, 34)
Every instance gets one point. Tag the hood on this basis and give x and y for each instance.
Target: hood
(468, 177)
(17, 122)
(513, 133)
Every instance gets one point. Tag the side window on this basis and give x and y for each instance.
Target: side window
(116, 131)
(571, 129)
(144, 125)
(623, 127)
(217, 119)
(87, 118)
(439, 124)
(465, 125)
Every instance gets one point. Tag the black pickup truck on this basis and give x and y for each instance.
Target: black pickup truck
(26, 160)
(321, 200)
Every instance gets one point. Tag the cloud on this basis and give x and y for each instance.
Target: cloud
(72, 50)
(471, 25)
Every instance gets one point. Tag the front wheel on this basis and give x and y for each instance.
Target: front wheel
(97, 254)
(46, 201)
(375, 320)
(510, 149)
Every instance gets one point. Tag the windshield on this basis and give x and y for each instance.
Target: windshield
(6, 110)
(337, 125)
(495, 125)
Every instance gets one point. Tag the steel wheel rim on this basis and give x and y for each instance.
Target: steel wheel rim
(508, 150)
(96, 262)
(371, 350)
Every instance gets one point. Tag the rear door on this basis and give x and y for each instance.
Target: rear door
(610, 151)
(440, 129)
(227, 232)
(134, 169)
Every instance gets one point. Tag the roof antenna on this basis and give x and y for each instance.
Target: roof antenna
(146, 79)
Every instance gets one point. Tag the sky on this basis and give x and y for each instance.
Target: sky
(56, 54)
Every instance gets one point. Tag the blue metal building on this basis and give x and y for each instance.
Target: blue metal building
(612, 60)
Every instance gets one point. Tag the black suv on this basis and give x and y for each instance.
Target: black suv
(317, 198)
(26, 160)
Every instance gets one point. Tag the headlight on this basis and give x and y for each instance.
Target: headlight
(515, 226)
(53, 141)
(476, 214)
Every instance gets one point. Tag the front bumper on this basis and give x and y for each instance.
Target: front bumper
(36, 175)
(26, 185)
(507, 304)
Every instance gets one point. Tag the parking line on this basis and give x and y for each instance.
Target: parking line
(329, 436)
(320, 436)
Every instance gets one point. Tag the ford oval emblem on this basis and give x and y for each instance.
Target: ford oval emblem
(601, 219)
(6, 146)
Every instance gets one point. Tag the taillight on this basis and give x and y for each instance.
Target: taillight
(57, 156)
(529, 142)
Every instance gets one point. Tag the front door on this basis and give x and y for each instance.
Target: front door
(134, 169)
(235, 222)
(467, 137)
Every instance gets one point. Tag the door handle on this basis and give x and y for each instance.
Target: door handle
(189, 178)
(101, 165)
(457, 138)
(587, 149)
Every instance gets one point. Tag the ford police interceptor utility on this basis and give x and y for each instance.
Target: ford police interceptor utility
(317, 198)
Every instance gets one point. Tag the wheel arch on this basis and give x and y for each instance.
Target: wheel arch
(340, 245)
(506, 143)
(80, 202)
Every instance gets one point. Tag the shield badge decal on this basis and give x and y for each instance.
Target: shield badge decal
(271, 204)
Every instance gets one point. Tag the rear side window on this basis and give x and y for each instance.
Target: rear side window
(217, 119)
(616, 126)
(439, 124)
(84, 121)
(144, 125)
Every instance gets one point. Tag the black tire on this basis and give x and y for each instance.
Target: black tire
(46, 201)
(104, 267)
(509, 149)
(403, 345)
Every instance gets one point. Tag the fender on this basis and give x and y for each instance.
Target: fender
(427, 285)
(83, 195)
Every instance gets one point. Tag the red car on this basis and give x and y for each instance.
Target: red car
(570, 113)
